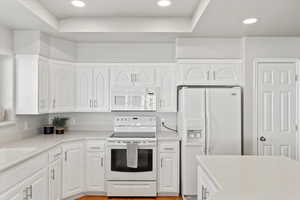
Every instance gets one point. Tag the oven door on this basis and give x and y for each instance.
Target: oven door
(117, 163)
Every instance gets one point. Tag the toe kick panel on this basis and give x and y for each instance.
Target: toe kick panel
(131, 188)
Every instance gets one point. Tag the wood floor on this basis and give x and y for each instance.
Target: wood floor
(106, 198)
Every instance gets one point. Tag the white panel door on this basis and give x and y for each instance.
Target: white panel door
(55, 180)
(168, 89)
(72, 169)
(277, 109)
(43, 86)
(95, 171)
(168, 173)
(101, 89)
(224, 121)
(193, 74)
(84, 89)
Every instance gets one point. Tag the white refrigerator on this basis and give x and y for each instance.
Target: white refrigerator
(210, 123)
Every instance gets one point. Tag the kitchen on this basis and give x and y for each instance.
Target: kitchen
(160, 97)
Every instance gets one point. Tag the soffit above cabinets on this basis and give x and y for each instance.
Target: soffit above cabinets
(120, 8)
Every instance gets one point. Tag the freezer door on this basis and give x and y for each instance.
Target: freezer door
(224, 121)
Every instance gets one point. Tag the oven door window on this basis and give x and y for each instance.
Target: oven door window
(119, 161)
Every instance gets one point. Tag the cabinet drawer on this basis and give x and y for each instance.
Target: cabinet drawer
(55, 154)
(168, 147)
(95, 146)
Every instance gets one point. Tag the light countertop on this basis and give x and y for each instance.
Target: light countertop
(253, 177)
(42, 143)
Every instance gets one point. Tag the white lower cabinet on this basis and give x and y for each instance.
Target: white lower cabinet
(95, 166)
(55, 180)
(95, 171)
(72, 169)
(168, 181)
(33, 188)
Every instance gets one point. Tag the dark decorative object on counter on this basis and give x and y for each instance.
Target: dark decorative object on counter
(60, 124)
(49, 129)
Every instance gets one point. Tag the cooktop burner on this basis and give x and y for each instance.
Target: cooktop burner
(133, 135)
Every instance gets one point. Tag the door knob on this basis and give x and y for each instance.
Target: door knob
(262, 139)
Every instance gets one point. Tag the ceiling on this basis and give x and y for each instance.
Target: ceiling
(142, 20)
(120, 8)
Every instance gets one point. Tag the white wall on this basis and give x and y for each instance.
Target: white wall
(25, 126)
(262, 48)
(126, 52)
(209, 48)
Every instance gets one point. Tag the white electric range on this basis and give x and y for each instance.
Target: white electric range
(127, 181)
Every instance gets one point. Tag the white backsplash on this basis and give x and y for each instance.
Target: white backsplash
(25, 126)
(104, 121)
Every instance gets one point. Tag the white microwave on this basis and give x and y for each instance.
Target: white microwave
(133, 99)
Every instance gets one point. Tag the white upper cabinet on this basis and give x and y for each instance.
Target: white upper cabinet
(101, 89)
(211, 73)
(226, 73)
(167, 84)
(72, 169)
(92, 88)
(32, 84)
(192, 74)
(84, 88)
(62, 80)
(133, 75)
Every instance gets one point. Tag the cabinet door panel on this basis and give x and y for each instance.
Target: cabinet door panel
(122, 76)
(101, 89)
(95, 171)
(195, 74)
(226, 73)
(144, 76)
(72, 169)
(43, 86)
(84, 88)
(39, 186)
(62, 87)
(168, 173)
(167, 83)
(16, 193)
(55, 180)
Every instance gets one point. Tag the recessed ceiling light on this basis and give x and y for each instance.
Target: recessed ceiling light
(250, 21)
(78, 3)
(164, 3)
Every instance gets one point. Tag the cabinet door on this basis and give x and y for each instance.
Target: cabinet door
(72, 169)
(55, 180)
(226, 73)
(62, 87)
(101, 89)
(122, 76)
(193, 74)
(84, 89)
(167, 84)
(15, 193)
(144, 76)
(168, 173)
(38, 187)
(43, 86)
(95, 171)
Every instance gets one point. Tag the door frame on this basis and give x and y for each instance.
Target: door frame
(256, 63)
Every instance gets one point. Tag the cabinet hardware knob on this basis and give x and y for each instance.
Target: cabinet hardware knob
(262, 139)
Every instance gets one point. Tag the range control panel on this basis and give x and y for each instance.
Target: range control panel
(135, 124)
